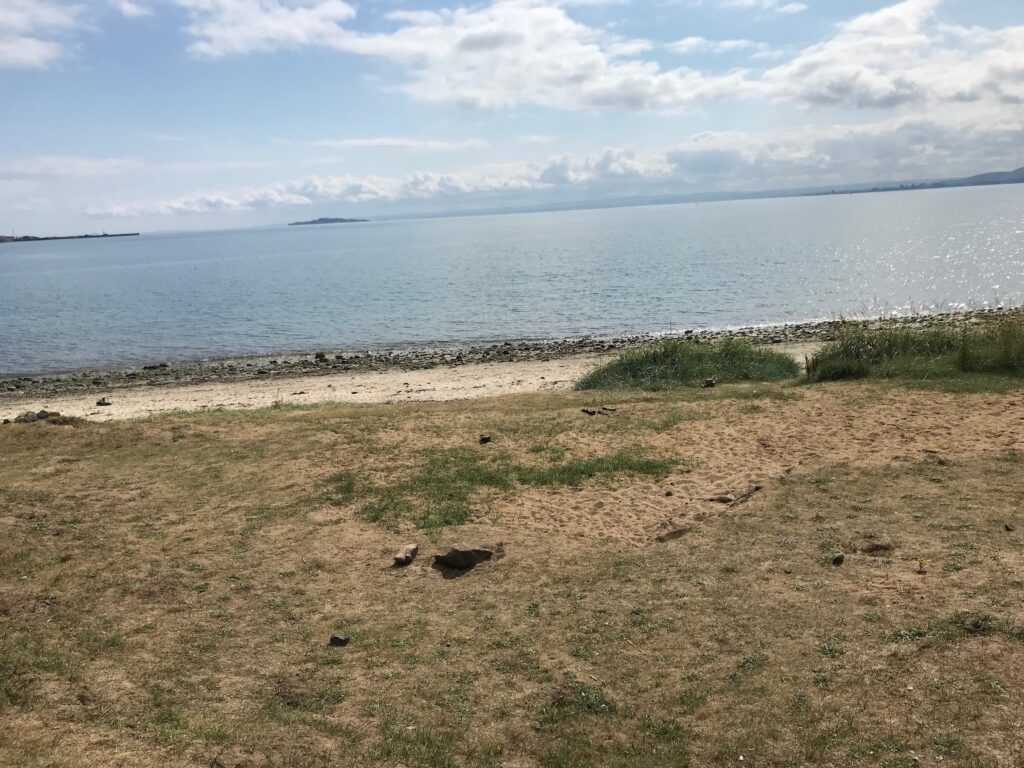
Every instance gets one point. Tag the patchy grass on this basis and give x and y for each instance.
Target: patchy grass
(977, 358)
(167, 586)
(440, 491)
(673, 363)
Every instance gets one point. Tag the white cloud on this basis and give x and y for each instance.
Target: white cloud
(393, 142)
(507, 53)
(233, 27)
(896, 56)
(816, 155)
(58, 167)
(775, 6)
(703, 45)
(515, 52)
(30, 31)
(130, 9)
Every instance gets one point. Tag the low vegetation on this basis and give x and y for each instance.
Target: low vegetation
(994, 348)
(441, 490)
(675, 362)
(168, 586)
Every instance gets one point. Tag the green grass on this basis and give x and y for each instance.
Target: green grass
(672, 363)
(440, 491)
(993, 349)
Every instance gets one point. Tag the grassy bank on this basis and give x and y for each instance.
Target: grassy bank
(167, 586)
(675, 362)
(994, 348)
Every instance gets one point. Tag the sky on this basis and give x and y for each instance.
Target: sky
(152, 115)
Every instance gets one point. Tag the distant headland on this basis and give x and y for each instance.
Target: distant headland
(32, 239)
(326, 221)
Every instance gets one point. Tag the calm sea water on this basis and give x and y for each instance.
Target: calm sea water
(81, 303)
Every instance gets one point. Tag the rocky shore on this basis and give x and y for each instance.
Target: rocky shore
(326, 362)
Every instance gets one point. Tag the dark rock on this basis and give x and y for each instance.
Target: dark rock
(589, 411)
(338, 641)
(485, 439)
(102, 401)
(1010, 527)
(406, 554)
(463, 556)
(708, 383)
(7, 421)
(42, 415)
(839, 559)
(26, 418)
(320, 356)
(668, 493)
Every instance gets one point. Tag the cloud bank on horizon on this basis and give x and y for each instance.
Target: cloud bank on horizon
(186, 113)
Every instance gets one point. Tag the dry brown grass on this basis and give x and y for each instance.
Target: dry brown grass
(167, 587)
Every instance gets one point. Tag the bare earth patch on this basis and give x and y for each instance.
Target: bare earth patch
(667, 595)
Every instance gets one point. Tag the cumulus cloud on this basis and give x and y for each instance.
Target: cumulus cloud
(514, 52)
(30, 31)
(817, 155)
(233, 27)
(899, 56)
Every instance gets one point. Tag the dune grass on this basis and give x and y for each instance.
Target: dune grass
(995, 348)
(672, 363)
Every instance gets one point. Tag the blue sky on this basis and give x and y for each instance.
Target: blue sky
(186, 114)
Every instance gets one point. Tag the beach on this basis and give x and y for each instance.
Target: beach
(387, 376)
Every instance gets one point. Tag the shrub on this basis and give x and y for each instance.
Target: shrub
(673, 362)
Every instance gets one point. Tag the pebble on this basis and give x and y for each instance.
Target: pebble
(839, 559)
(338, 641)
(427, 357)
(1010, 527)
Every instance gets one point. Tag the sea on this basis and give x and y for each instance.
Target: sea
(74, 304)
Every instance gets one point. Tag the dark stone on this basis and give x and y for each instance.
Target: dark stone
(463, 556)
(589, 411)
(320, 356)
(485, 439)
(1010, 527)
(668, 493)
(26, 418)
(708, 383)
(839, 559)
(7, 421)
(338, 641)
(42, 415)
(102, 401)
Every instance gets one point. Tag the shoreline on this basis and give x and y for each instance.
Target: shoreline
(293, 365)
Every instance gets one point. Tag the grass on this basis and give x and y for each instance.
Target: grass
(167, 586)
(993, 349)
(441, 490)
(673, 363)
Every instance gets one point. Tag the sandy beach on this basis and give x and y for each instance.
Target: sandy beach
(394, 386)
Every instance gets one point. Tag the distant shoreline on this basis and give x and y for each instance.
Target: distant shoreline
(33, 239)
(267, 367)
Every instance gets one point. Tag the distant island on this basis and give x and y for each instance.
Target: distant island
(32, 239)
(326, 221)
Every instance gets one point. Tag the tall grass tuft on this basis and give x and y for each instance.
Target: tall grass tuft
(673, 362)
(934, 353)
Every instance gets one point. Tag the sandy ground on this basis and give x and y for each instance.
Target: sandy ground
(457, 383)
(437, 384)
